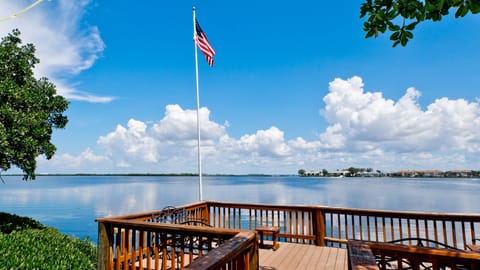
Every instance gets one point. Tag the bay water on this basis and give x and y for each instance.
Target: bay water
(72, 203)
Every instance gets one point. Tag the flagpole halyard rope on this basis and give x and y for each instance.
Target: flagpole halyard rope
(16, 14)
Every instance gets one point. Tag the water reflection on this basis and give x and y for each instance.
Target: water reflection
(71, 203)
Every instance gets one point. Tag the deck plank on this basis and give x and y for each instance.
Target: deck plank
(298, 256)
(306, 258)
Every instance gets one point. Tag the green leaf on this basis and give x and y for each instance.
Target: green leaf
(393, 27)
(392, 14)
(409, 34)
(441, 3)
(429, 7)
(370, 33)
(461, 11)
(380, 16)
(364, 9)
(411, 26)
(475, 7)
(382, 28)
(403, 40)
(395, 36)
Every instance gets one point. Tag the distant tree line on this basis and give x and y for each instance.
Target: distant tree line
(349, 172)
(365, 172)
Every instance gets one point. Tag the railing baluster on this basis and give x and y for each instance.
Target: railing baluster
(417, 228)
(472, 230)
(353, 226)
(224, 218)
(141, 246)
(304, 227)
(368, 229)
(444, 230)
(157, 252)
(240, 219)
(384, 230)
(390, 227)
(339, 227)
(132, 248)
(425, 224)
(310, 226)
(296, 225)
(454, 234)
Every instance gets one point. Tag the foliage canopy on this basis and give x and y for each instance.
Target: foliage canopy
(400, 17)
(29, 108)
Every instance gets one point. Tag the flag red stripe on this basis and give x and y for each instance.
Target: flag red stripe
(203, 44)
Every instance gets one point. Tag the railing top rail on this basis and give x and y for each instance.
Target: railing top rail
(356, 211)
(149, 213)
(127, 223)
(427, 251)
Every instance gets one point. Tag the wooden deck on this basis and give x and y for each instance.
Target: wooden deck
(126, 239)
(297, 256)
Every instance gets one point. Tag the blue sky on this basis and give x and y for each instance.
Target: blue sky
(295, 85)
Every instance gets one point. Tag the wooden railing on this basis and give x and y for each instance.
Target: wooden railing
(374, 255)
(143, 241)
(297, 224)
(134, 244)
(335, 226)
(456, 230)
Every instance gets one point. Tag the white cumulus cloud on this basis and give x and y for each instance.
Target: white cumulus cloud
(363, 121)
(365, 129)
(64, 49)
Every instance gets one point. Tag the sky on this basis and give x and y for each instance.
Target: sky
(295, 85)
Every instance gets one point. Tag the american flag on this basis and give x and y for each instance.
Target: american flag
(202, 43)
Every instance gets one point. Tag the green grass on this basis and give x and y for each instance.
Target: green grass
(27, 244)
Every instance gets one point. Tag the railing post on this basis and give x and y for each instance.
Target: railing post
(254, 263)
(105, 241)
(319, 226)
(206, 213)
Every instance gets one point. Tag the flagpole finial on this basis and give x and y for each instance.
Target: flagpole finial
(194, 8)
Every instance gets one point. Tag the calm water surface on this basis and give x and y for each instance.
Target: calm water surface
(72, 203)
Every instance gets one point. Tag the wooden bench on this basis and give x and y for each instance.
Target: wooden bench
(268, 230)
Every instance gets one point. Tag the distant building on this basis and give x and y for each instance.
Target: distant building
(339, 173)
(368, 174)
(419, 173)
(459, 173)
(313, 173)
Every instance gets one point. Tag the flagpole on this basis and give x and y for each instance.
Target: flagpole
(199, 156)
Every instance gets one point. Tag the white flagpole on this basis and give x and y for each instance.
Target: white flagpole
(200, 193)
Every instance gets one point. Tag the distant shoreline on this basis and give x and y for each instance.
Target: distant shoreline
(232, 175)
(149, 174)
